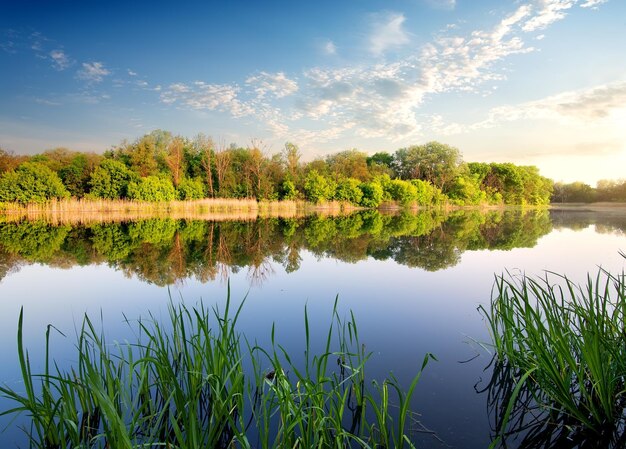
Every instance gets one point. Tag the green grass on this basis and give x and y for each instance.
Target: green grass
(563, 349)
(194, 381)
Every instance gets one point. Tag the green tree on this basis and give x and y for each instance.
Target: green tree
(152, 188)
(403, 191)
(110, 180)
(464, 190)
(31, 182)
(288, 191)
(190, 189)
(291, 156)
(317, 188)
(372, 194)
(348, 164)
(348, 190)
(435, 162)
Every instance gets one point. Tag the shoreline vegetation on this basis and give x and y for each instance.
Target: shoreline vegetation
(159, 167)
(557, 379)
(559, 370)
(86, 210)
(194, 380)
(76, 211)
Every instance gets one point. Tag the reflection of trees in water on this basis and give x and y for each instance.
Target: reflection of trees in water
(534, 422)
(612, 221)
(166, 251)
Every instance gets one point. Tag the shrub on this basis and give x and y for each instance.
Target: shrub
(403, 191)
(348, 190)
(372, 194)
(110, 180)
(317, 188)
(190, 189)
(152, 188)
(288, 191)
(31, 182)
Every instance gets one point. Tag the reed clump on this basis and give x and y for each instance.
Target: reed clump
(75, 211)
(565, 346)
(193, 381)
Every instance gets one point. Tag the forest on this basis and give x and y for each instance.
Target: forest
(162, 167)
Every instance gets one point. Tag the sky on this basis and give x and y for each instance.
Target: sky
(533, 82)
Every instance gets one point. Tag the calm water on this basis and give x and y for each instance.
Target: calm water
(413, 282)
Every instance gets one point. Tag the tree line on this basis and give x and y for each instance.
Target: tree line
(162, 167)
(579, 192)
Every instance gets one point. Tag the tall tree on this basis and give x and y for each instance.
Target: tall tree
(175, 159)
(292, 155)
(435, 162)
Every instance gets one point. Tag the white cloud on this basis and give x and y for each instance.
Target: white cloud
(594, 105)
(330, 48)
(546, 12)
(593, 3)
(203, 96)
(388, 34)
(383, 100)
(131, 73)
(93, 72)
(276, 84)
(442, 4)
(60, 60)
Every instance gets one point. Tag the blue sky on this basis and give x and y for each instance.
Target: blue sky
(539, 82)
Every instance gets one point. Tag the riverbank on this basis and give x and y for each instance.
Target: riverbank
(81, 211)
(592, 207)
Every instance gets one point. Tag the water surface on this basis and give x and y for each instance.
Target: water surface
(413, 281)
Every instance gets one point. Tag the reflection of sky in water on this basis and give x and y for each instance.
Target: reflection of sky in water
(402, 313)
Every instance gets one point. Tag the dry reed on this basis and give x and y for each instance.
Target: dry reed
(84, 211)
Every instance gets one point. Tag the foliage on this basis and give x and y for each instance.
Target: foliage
(403, 191)
(249, 172)
(152, 188)
(348, 190)
(465, 190)
(348, 164)
(435, 162)
(110, 180)
(372, 194)
(318, 188)
(288, 191)
(190, 189)
(31, 182)
(10, 161)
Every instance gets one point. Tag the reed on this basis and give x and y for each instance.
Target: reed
(566, 345)
(194, 381)
(87, 211)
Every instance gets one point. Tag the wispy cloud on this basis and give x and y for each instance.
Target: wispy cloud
(93, 72)
(275, 84)
(385, 99)
(329, 48)
(546, 12)
(388, 33)
(442, 4)
(202, 96)
(60, 60)
(592, 3)
(584, 106)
